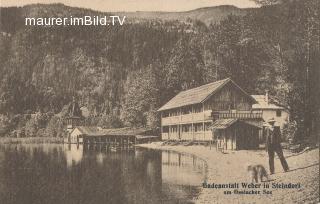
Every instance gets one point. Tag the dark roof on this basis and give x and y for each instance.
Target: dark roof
(125, 131)
(198, 94)
(227, 122)
(223, 123)
(95, 131)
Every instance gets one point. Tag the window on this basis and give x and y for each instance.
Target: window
(174, 112)
(165, 129)
(198, 127)
(197, 108)
(174, 129)
(186, 110)
(165, 114)
(185, 128)
(278, 113)
(207, 126)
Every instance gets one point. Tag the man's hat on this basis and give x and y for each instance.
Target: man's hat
(271, 120)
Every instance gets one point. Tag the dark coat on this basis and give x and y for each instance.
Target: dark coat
(273, 138)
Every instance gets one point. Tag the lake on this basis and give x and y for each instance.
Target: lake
(45, 174)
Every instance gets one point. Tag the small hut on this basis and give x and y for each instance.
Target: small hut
(235, 134)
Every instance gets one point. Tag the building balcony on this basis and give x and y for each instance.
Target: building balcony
(173, 120)
(237, 114)
(202, 116)
(186, 118)
(188, 136)
(209, 115)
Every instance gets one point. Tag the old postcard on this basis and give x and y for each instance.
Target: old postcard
(159, 101)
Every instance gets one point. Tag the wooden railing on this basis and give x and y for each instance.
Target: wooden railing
(186, 118)
(240, 115)
(208, 115)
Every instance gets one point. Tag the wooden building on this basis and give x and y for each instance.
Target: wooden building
(235, 134)
(190, 114)
(270, 110)
(120, 136)
(79, 132)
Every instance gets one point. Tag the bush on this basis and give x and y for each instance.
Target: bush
(289, 131)
(110, 121)
(54, 128)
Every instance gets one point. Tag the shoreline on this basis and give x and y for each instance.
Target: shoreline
(230, 167)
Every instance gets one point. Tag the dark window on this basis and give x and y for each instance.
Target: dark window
(165, 129)
(278, 113)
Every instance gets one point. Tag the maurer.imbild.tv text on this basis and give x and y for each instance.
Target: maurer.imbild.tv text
(76, 21)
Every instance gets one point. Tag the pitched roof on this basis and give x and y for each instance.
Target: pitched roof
(197, 95)
(89, 130)
(223, 123)
(263, 104)
(227, 122)
(95, 131)
(125, 131)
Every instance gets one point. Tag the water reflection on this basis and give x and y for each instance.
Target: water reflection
(73, 153)
(182, 169)
(77, 174)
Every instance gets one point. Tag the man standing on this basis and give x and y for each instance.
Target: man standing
(273, 145)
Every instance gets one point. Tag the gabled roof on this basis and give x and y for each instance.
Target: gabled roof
(223, 123)
(88, 130)
(95, 131)
(125, 131)
(227, 122)
(263, 104)
(198, 94)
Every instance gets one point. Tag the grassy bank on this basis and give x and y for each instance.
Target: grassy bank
(31, 140)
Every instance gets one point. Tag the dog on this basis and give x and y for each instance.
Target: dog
(257, 173)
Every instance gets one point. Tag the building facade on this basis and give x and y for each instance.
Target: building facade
(190, 114)
(235, 134)
(271, 110)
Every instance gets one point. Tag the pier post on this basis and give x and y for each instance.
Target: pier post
(128, 143)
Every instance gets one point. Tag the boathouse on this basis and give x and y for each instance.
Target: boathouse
(119, 136)
(235, 134)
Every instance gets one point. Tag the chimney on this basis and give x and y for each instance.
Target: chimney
(267, 97)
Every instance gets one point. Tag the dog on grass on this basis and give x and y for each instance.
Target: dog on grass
(257, 173)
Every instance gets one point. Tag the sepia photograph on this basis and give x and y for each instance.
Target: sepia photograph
(159, 101)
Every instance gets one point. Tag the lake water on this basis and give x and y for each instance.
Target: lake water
(45, 174)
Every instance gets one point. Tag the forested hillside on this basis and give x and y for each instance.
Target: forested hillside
(208, 15)
(121, 75)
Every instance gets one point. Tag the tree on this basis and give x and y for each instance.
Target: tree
(184, 69)
(110, 121)
(269, 2)
(141, 98)
(55, 127)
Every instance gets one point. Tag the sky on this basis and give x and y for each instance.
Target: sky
(136, 5)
